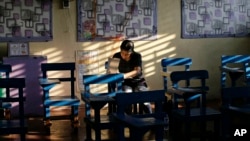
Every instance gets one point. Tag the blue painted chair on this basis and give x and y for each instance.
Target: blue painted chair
(170, 64)
(58, 101)
(18, 125)
(235, 66)
(141, 123)
(192, 112)
(5, 70)
(235, 105)
(96, 101)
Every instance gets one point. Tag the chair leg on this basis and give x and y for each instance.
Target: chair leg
(7, 114)
(22, 136)
(47, 121)
(97, 135)
(159, 133)
(225, 125)
(187, 131)
(174, 129)
(135, 134)
(119, 133)
(1, 113)
(217, 129)
(88, 133)
(75, 119)
(203, 127)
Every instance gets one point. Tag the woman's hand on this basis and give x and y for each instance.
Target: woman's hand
(133, 73)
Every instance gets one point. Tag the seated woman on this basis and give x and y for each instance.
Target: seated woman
(131, 66)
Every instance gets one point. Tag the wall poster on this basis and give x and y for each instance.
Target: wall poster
(25, 20)
(86, 63)
(117, 20)
(215, 18)
(18, 49)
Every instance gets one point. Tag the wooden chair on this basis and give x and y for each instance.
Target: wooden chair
(19, 125)
(235, 66)
(139, 124)
(5, 70)
(193, 110)
(65, 100)
(235, 105)
(95, 100)
(168, 64)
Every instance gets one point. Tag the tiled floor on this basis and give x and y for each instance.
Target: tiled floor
(61, 130)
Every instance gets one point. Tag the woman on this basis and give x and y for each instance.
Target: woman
(131, 66)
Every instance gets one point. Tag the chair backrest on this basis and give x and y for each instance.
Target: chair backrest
(155, 97)
(174, 62)
(197, 80)
(69, 67)
(243, 60)
(16, 83)
(192, 75)
(230, 94)
(114, 82)
(6, 69)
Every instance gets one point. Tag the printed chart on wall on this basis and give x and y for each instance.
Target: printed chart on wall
(87, 63)
(117, 19)
(25, 20)
(215, 18)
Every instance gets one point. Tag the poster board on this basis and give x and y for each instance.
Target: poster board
(87, 63)
(25, 20)
(215, 18)
(116, 20)
(18, 49)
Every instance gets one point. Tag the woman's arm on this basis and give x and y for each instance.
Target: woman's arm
(133, 73)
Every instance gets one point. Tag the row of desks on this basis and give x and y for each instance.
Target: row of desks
(234, 73)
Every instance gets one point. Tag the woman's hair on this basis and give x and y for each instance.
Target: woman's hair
(127, 45)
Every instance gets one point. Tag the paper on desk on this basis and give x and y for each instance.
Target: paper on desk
(113, 64)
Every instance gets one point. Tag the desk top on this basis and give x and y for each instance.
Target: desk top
(182, 91)
(98, 99)
(45, 81)
(230, 69)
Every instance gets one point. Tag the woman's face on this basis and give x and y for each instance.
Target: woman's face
(125, 55)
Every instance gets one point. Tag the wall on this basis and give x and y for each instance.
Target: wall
(204, 52)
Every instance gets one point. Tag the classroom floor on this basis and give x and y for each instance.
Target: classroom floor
(61, 129)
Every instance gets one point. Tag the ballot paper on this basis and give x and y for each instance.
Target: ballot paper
(113, 64)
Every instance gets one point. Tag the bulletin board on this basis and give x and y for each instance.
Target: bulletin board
(86, 63)
(25, 20)
(116, 20)
(215, 18)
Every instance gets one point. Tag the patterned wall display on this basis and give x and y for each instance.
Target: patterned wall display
(25, 20)
(117, 19)
(215, 18)
(87, 63)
